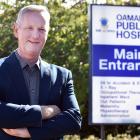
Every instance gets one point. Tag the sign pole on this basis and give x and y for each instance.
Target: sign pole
(102, 132)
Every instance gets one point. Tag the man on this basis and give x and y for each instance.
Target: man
(37, 99)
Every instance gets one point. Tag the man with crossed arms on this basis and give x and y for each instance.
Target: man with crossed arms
(37, 99)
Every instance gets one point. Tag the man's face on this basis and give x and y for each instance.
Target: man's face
(31, 33)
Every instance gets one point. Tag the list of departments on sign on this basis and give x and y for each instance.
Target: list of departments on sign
(116, 99)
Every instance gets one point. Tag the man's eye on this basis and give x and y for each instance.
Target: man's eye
(42, 30)
(29, 28)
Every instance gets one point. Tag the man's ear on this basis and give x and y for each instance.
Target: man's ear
(15, 29)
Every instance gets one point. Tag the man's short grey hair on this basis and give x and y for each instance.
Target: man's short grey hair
(33, 8)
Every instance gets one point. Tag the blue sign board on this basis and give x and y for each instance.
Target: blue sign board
(114, 64)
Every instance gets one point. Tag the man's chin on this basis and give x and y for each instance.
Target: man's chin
(34, 53)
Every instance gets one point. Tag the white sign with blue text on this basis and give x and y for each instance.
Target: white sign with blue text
(115, 64)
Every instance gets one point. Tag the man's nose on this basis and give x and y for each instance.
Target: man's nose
(35, 34)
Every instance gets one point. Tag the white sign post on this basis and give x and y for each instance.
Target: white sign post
(114, 64)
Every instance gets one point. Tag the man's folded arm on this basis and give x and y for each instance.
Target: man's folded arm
(17, 116)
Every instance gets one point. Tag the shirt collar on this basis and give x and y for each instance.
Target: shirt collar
(24, 63)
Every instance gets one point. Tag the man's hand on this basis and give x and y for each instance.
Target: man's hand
(19, 132)
(49, 111)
